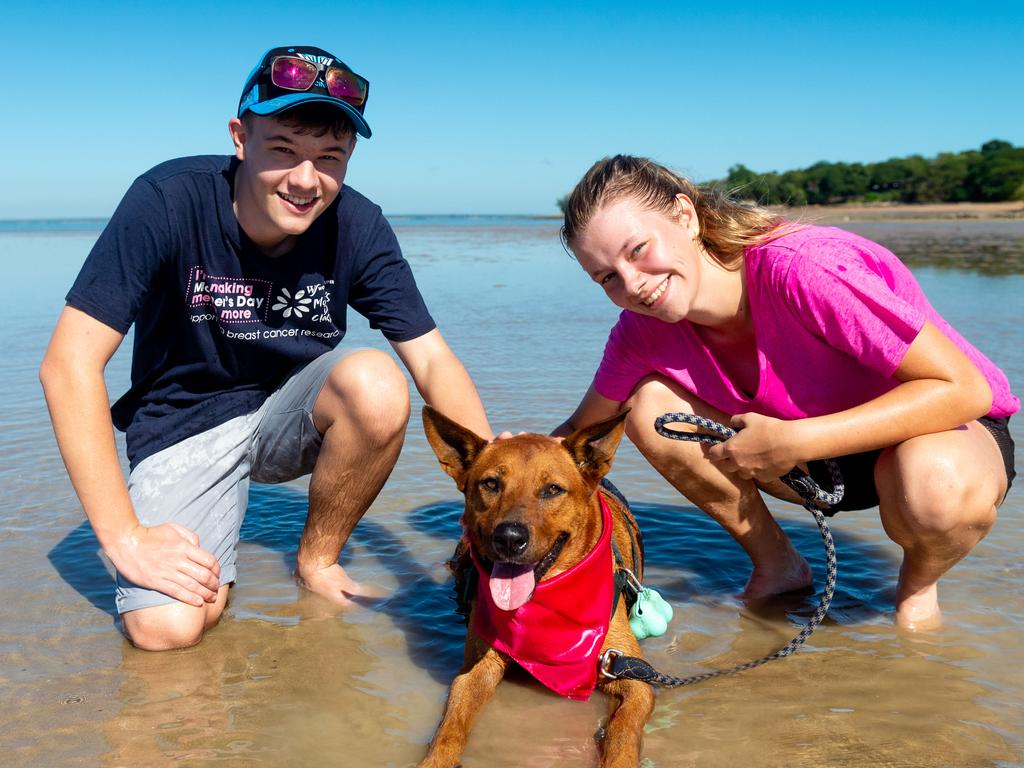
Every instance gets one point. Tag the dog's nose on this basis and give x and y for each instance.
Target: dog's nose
(510, 539)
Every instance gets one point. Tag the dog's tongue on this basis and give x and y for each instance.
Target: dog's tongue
(511, 585)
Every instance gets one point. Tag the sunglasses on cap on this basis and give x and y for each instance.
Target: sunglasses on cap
(296, 74)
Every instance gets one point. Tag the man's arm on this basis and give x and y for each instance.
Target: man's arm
(165, 557)
(443, 381)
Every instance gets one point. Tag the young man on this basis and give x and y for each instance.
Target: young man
(236, 272)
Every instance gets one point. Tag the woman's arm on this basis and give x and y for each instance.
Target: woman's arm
(940, 389)
(592, 409)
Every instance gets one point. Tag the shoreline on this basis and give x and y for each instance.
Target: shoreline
(845, 212)
(1013, 209)
(826, 214)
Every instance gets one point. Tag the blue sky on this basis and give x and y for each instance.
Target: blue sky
(500, 108)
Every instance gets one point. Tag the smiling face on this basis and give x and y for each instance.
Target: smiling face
(529, 514)
(527, 481)
(287, 178)
(530, 500)
(646, 261)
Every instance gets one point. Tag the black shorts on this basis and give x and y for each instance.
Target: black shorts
(858, 469)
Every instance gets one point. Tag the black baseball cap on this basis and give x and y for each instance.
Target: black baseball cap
(287, 76)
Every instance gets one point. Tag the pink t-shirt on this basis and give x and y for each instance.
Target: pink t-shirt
(833, 314)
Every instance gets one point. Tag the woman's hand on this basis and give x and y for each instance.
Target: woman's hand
(763, 449)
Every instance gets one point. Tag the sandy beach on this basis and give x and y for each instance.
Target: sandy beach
(835, 214)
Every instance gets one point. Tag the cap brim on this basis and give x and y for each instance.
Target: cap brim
(289, 100)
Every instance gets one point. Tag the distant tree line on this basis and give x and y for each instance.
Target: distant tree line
(992, 174)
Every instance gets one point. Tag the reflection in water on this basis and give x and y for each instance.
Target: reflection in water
(853, 709)
(254, 692)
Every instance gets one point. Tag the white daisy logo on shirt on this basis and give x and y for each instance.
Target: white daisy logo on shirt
(297, 304)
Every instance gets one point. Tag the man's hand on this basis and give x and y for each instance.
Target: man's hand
(763, 449)
(168, 558)
(505, 435)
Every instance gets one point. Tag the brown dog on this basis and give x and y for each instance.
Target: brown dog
(534, 512)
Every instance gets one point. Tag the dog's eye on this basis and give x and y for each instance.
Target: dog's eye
(551, 490)
(490, 484)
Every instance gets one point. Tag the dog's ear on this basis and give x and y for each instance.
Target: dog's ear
(593, 447)
(456, 447)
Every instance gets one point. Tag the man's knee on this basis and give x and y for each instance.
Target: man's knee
(366, 387)
(171, 626)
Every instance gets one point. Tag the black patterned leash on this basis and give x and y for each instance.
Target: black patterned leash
(615, 664)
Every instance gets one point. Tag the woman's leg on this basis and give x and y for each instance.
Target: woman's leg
(938, 498)
(736, 504)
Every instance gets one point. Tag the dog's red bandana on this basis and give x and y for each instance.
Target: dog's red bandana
(557, 635)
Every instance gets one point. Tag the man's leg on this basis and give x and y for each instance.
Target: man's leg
(939, 495)
(201, 484)
(343, 418)
(173, 625)
(736, 504)
(362, 412)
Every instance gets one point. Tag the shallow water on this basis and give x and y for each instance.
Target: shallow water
(284, 681)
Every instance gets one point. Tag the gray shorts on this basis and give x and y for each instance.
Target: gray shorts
(202, 483)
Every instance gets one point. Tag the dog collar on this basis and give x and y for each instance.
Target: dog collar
(557, 635)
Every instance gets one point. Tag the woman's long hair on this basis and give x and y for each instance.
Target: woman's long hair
(727, 226)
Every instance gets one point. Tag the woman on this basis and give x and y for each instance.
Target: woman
(815, 343)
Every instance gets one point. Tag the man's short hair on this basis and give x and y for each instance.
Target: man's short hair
(316, 118)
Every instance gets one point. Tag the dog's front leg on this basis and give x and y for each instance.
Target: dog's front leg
(471, 689)
(631, 704)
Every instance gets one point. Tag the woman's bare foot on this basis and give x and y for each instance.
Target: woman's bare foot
(332, 583)
(768, 580)
(917, 610)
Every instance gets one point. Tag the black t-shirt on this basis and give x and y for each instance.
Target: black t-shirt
(218, 324)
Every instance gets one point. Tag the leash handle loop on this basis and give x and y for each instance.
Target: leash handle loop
(812, 494)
